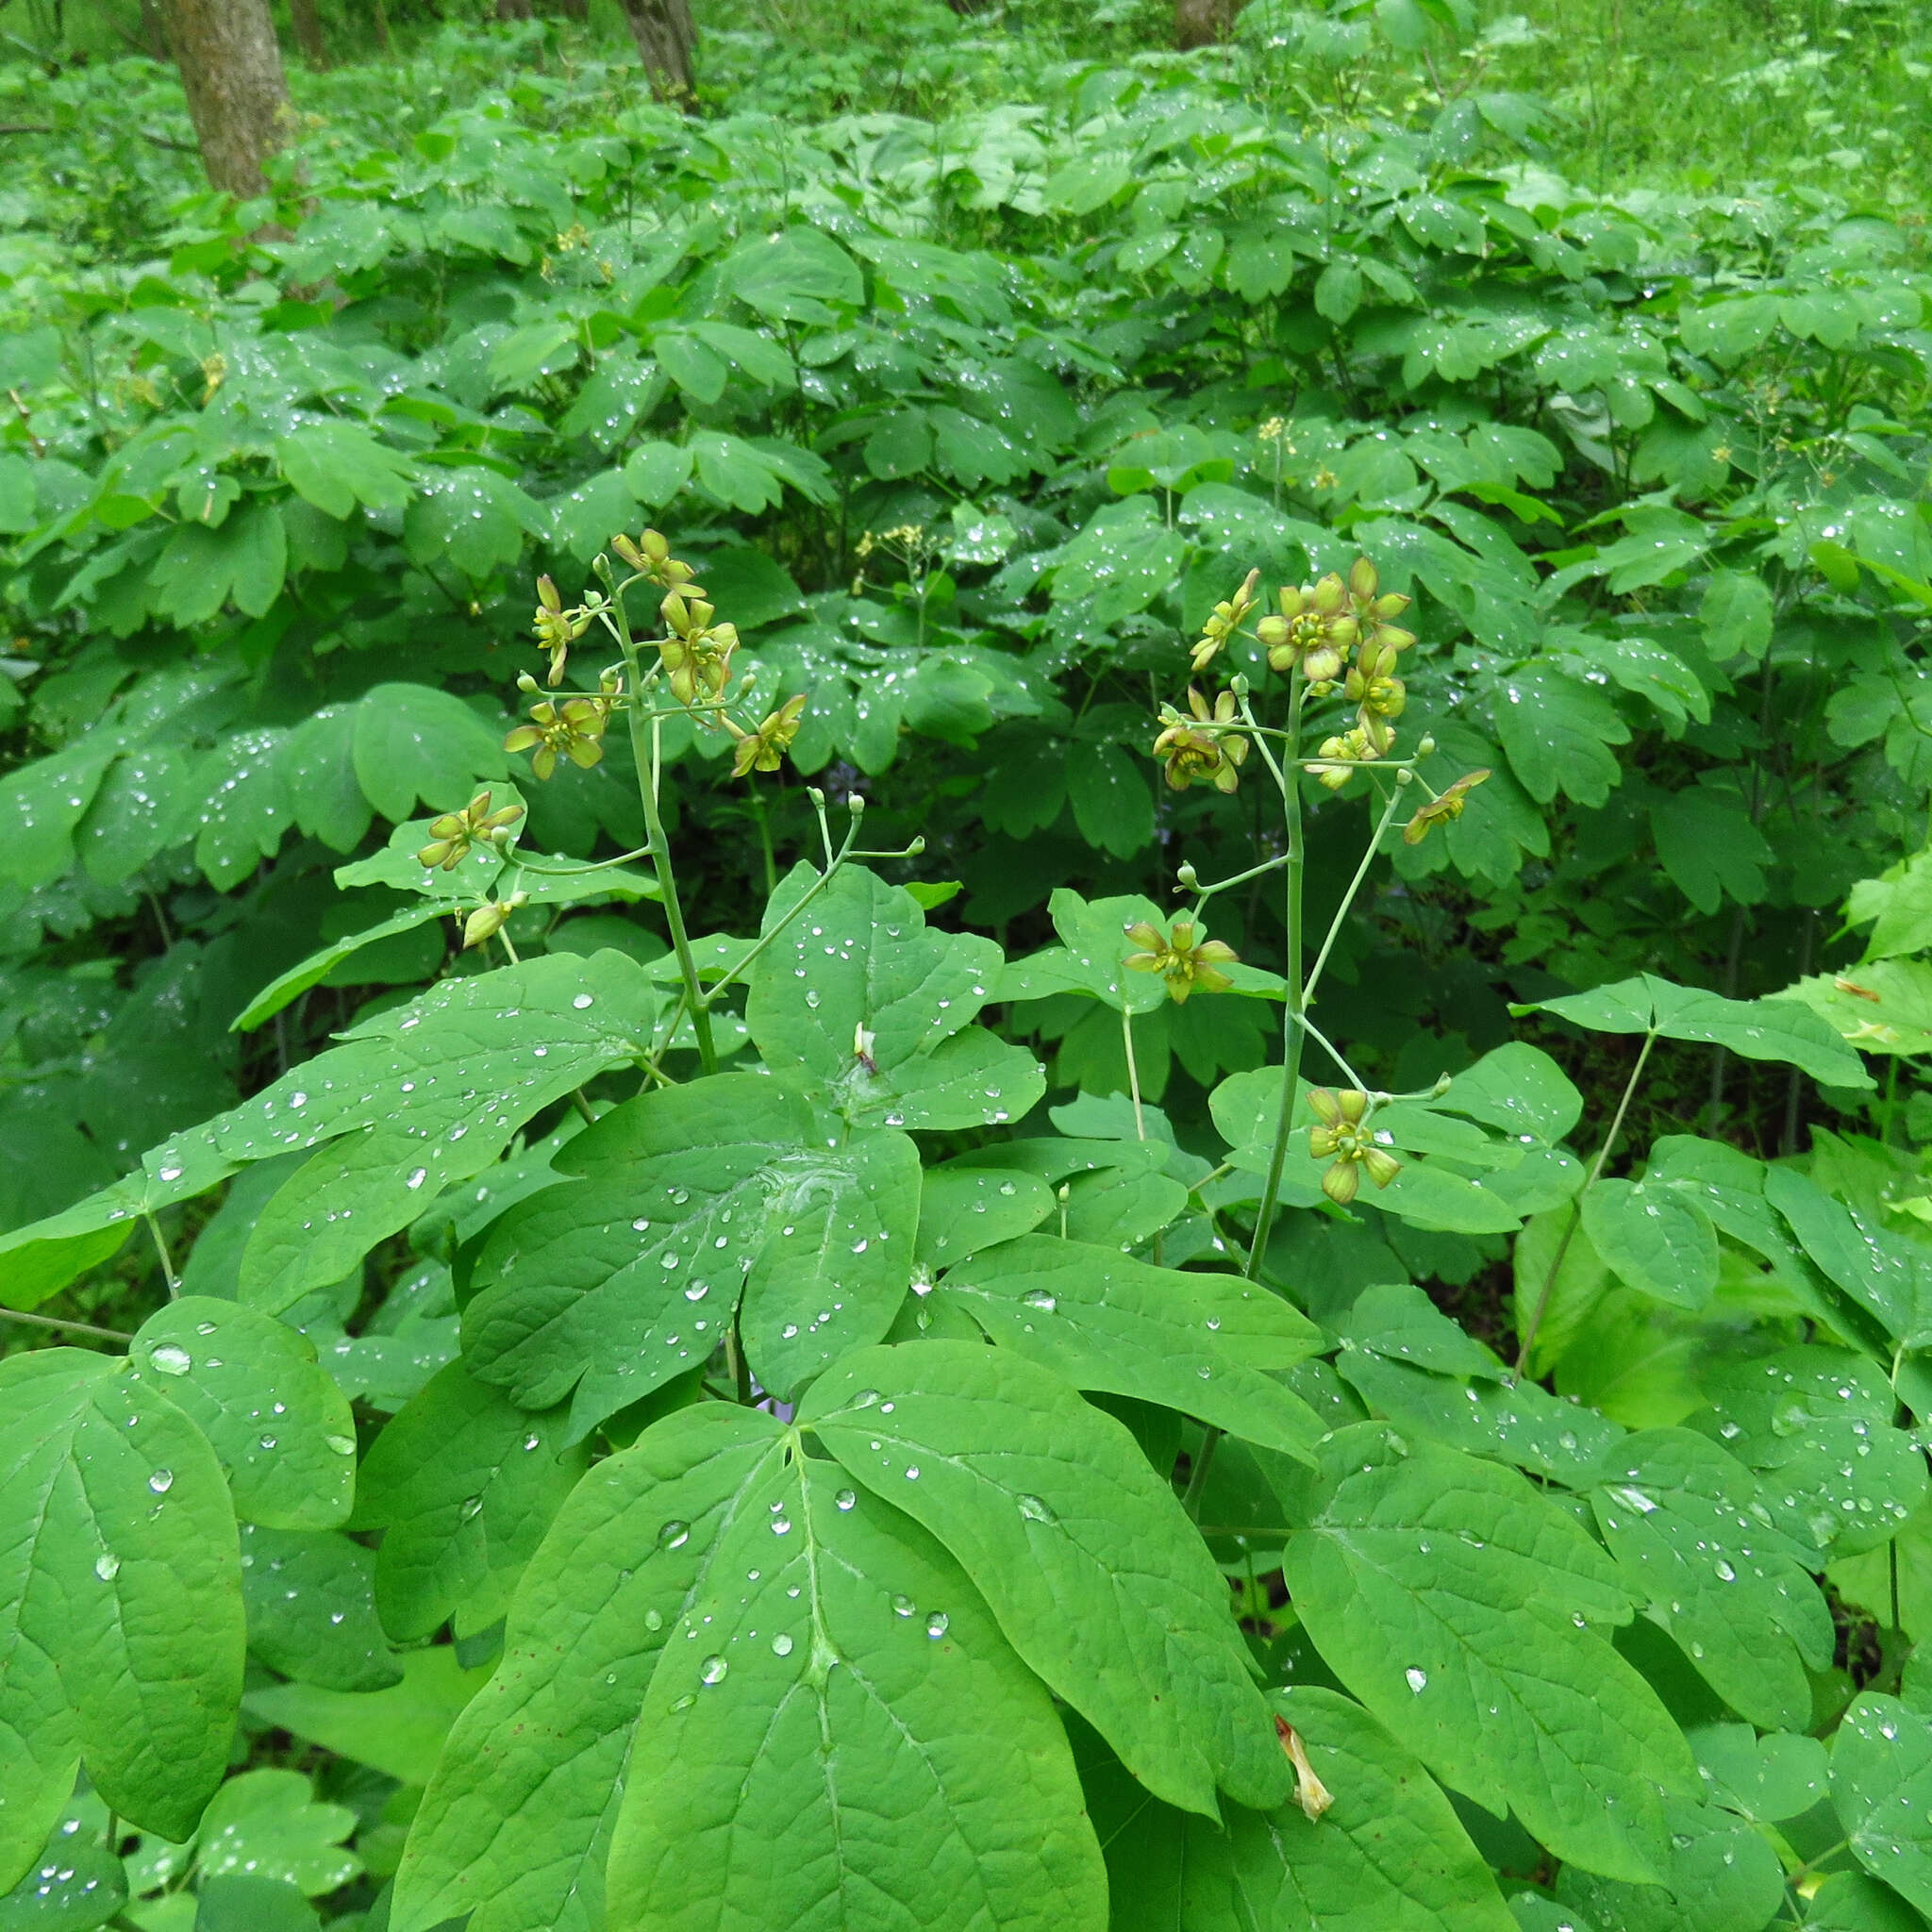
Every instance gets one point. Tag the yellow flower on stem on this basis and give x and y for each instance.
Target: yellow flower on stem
(452, 836)
(1224, 621)
(697, 653)
(1191, 754)
(1345, 1140)
(1373, 607)
(557, 629)
(764, 749)
(1188, 965)
(1314, 629)
(1440, 811)
(651, 555)
(571, 730)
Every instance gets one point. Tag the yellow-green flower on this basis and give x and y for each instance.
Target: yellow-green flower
(1187, 964)
(557, 629)
(1314, 629)
(651, 557)
(1441, 810)
(1335, 758)
(452, 836)
(571, 730)
(1345, 1140)
(1224, 621)
(696, 653)
(1191, 754)
(490, 918)
(1373, 607)
(764, 749)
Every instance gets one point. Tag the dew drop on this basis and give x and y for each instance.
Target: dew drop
(170, 1360)
(781, 1645)
(161, 1481)
(1418, 1680)
(712, 1670)
(673, 1535)
(936, 1624)
(107, 1567)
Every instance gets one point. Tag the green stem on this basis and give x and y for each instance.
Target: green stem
(658, 842)
(1133, 1070)
(168, 1275)
(57, 1322)
(1596, 1168)
(1354, 886)
(1292, 973)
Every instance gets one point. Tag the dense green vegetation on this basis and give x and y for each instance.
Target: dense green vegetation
(1218, 1062)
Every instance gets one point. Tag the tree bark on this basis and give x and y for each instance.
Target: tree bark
(307, 25)
(512, 10)
(236, 94)
(575, 9)
(666, 39)
(1203, 23)
(153, 35)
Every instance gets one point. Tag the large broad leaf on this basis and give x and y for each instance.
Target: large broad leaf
(1390, 1855)
(860, 993)
(1881, 1786)
(1888, 1276)
(1817, 1424)
(279, 1424)
(1694, 1543)
(464, 1483)
(1773, 1029)
(120, 1640)
(415, 1100)
(1653, 1240)
(1461, 1609)
(1037, 1495)
(1202, 1344)
(822, 1726)
(268, 1823)
(310, 1599)
(688, 1198)
(1721, 1875)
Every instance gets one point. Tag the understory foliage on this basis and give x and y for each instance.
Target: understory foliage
(1010, 1020)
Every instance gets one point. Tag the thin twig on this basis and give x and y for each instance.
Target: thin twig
(59, 1321)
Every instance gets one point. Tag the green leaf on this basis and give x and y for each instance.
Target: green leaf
(793, 276)
(1769, 1029)
(337, 465)
(200, 570)
(413, 741)
(279, 1424)
(1204, 1345)
(1112, 805)
(1518, 1089)
(860, 993)
(310, 1600)
(1710, 845)
(464, 1484)
(470, 519)
(1653, 1240)
(1769, 1779)
(688, 1198)
(241, 1902)
(708, 1597)
(76, 1883)
(1850, 1902)
(1557, 733)
(1721, 1876)
(1091, 956)
(267, 1822)
(1035, 1493)
(963, 1208)
(1816, 1423)
(1735, 614)
(1685, 1524)
(1887, 1274)
(1390, 1851)
(1881, 1787)
(120, 1602)
(398, 1731)
(1458, 1606)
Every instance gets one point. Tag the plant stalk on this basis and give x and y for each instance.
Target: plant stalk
(658, 842)
(1596, 1168)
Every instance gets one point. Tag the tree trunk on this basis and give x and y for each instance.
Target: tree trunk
(307, 25)
(153, 35)
(575, 9)
(1203, 23)
(512, 10)
(666, 39)
(384, 45)
(237, 96)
